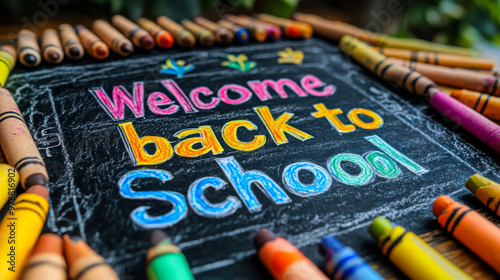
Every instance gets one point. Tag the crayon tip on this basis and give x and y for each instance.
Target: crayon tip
(166, 41)
(100, 51)
(157, 236)
(441, 204)
(35, 179)
(147, 42)
(30, 58)
(74, 52)
(476, 182)
(262, 237)
(38, 190)
(379, 227)
(75, 249)
(187, 42)
(126, 48)
(225, 38)
(294, 31)
(456, 93)
(329, 245)
(54, 56)
(49, 243)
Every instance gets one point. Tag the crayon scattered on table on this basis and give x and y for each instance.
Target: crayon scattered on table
(415, 258)
(203, 35)
(343, 262)
(52, 50)
(112, 37)
(7, 62)
(334, 30)
(436, 58)
(134, 32)
(470, 228)
(28, 49)
(241, 34)
(25, 220)
(455, 77)
(94, 46)
(164, 260)
(9, 178)
(486, 105)
(291, 28)
(223, 35)
(258, 32)
(47, 261)
(18, 145)
(486, 191)
(182, 36)
(283, 260)
(273, 31)
(71, 43)
(476, 124)
(162, 37)
(84, 263)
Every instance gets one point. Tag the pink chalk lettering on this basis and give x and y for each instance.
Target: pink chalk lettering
(243, 91)
(310, 82)
(195, 97)
(121, 97)
(156, 99)
(179, 95)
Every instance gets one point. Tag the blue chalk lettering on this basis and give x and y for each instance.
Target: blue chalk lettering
(203, 207)
(322, 180)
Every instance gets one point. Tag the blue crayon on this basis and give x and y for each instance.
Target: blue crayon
(241, 35)
(342, 263)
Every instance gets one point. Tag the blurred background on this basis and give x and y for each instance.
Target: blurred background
(461, 22)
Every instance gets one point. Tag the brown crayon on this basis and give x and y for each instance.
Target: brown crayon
(94, 46)
(162, 37)
(72, 46)
(241, 34)
(134, 32)
(51, 46)
(258, 32)
(112, 37)
(223, 35)
(17, 144)
(486, 105)
(291, 28)
(182, 36)
(455, 77)
(28, 49)
(204, 36)
(436, 58)
(47, 261)
(84, 263)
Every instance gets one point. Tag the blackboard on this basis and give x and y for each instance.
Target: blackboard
(87, 155)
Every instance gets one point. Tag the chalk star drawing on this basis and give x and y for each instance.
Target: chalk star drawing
(177, 68)
(239, 62)
(290, 56)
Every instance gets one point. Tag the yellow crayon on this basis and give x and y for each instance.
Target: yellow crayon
(20, 229)
(7, 62)
(414, 257)
(486, 190)
(9, 178)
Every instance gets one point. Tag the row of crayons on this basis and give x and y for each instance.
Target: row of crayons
(56, 258)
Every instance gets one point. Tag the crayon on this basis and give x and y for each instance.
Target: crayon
(84, 263)
(343, 262)
(50, 44)
(22, 226)
(414, 257)
(334, 30)
(470, 228)
(162, 37)
(112, 37)
(72, 46)
(47, 261)
(291, 28)
(273, 31)
(28, 49)
(18, 145)
(476, 124)
(283, 260)
(456, 77)
(203, 35)
(436, 58)
(486, 105)
(9, 178)
(486, 190)
(134, 32)
(7, 62)
(223, 35)
(258, 32)
(164, 260)
(182, 36)
(241, 34)
(94, 46)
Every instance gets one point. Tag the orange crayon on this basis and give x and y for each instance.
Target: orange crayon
(134, 32)
(112, 37)
(92, 44)
(486, 105)
(51, 46)
(84, 263)
(47, 261)
(436, 58)
(182, 36)
(470, 228)
(162, 37)
(283, 260)
(291, 28)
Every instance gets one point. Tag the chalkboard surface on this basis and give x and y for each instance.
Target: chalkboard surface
(324, 145)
